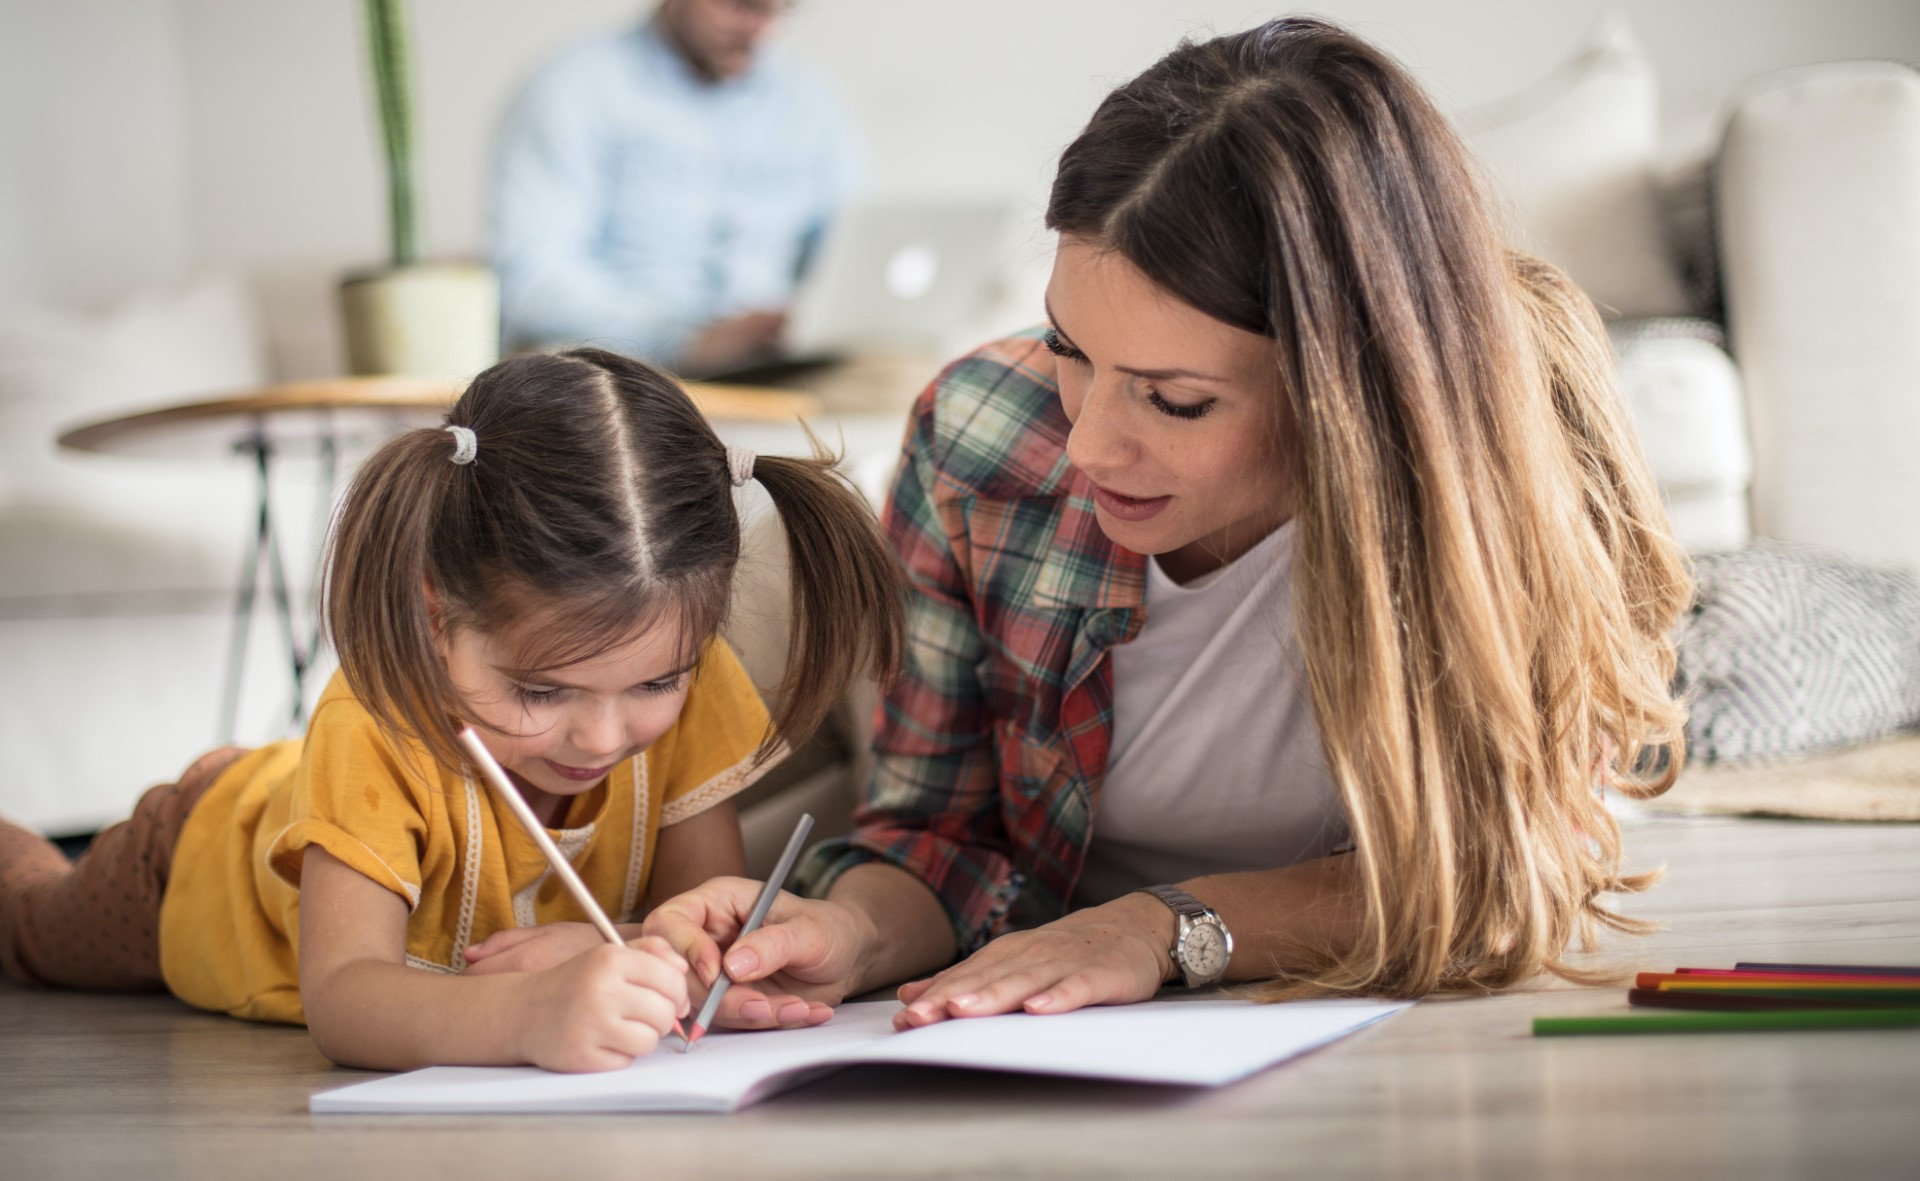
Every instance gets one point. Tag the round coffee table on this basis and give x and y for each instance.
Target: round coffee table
(327, 418)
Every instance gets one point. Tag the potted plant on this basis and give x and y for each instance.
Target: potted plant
(412, 317)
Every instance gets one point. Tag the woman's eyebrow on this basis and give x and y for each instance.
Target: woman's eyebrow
(1148, 374)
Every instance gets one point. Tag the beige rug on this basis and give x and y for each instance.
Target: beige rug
(1878, 781)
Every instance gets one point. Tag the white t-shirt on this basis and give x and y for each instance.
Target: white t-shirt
(1216, 763)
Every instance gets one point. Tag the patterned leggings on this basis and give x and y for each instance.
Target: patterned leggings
(95, 923)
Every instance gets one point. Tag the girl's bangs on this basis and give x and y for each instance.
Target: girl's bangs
(557, 635)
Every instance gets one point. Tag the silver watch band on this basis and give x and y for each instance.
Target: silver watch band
(1194, 914)
(1178, 901)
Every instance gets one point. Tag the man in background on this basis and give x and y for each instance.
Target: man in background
(659, 192)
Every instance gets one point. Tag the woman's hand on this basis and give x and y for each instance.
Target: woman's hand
(603, 1008)
(1105, 955)
(802, 961)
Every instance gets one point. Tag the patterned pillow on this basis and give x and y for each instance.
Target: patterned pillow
(1789, 649)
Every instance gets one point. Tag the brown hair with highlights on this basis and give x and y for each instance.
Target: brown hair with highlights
(1486, 585)
(600, 498)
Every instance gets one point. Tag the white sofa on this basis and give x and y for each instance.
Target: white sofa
(1764, 296)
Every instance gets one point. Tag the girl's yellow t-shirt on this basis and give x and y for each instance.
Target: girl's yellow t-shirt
(436, 836)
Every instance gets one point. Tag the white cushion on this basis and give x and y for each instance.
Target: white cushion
(1819, 198)
(82, 524)
(1684, 393)
(1575, 157)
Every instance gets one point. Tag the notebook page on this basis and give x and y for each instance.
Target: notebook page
(724, 1073)
(1190, 1043)
(1187, 1043)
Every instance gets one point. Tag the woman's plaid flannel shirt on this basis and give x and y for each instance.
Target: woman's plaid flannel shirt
(990, 747)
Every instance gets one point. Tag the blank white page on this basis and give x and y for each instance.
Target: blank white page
(1189, 1043)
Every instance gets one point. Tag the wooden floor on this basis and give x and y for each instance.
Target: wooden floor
(144, 1087)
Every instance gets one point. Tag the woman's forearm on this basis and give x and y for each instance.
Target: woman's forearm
(1285, 919)
(909, 932)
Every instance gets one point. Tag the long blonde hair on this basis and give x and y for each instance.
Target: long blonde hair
(1486, 583)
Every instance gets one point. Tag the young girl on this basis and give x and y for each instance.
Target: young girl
(552, 567)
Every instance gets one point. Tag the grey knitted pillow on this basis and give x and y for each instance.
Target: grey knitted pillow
(1790, 650)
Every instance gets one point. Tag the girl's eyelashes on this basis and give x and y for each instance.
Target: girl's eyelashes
(528, 695)
(1176, 410)
(1060, 348)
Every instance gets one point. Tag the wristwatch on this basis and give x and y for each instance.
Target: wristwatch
(1203, 945)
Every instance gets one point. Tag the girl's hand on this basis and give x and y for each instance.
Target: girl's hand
(603, 1008)
(1105, 955)
(801, 961)
(535, 949)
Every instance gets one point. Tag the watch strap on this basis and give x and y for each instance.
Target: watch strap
(1191, 912)
(1179, 901)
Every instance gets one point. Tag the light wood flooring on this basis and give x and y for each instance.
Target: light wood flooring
(144, 1087)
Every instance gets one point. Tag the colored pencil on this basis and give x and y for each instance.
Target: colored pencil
(496, 777)
(1848, 984)
(1661, 998)
(1697, 1022)
(1889, 997)
(1834, 969)
(1897, 982)
(761, 905)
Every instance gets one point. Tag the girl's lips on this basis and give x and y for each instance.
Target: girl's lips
(578, 774)
(1128, 508)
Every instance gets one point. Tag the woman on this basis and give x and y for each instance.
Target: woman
(1306, 564)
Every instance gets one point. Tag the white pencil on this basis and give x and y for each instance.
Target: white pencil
(496, 777)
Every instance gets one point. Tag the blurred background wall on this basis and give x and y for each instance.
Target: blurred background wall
(142, 141)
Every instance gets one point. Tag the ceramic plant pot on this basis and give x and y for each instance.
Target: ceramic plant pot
(423, 320)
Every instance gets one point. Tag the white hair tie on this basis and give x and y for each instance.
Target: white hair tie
(739, 464)
(465, 445)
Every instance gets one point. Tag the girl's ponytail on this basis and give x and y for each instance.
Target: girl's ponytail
(846, 590)
(376, 605)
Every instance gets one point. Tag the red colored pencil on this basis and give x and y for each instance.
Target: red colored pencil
(1770, 980)
(1826, 977)
(1792, 976)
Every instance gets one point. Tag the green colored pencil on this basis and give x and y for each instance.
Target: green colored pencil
(1726, 1022)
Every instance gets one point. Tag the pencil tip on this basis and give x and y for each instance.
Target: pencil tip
(693, 1039)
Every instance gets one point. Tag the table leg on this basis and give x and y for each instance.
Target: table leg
(255, 445)
(265, 552)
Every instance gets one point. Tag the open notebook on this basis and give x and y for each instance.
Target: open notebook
(1188, 1043)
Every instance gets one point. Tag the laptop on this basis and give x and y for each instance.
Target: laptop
(892, 277)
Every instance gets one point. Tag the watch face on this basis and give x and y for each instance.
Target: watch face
(1204, 952)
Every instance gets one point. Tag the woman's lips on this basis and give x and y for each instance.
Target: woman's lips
(578, 774)
(1129, 508)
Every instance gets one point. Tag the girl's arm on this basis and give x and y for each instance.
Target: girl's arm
(700, 850)
(365, 1007)
(707, 845)
(686, 854)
